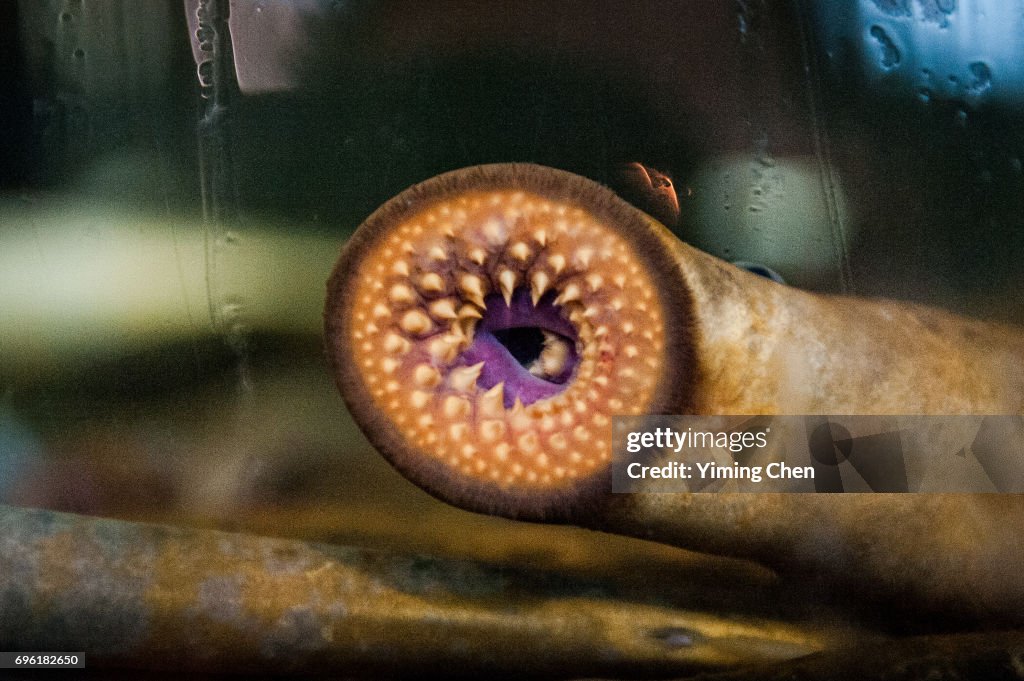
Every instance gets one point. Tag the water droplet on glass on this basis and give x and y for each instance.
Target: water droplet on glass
(961, 117)
(890, 54)
(205, 71)
(982, 75)
(924, 95)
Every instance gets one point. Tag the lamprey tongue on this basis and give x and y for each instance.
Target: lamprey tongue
(487, 324)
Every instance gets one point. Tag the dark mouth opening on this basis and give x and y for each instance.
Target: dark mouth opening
(530, 348)
(524, 342)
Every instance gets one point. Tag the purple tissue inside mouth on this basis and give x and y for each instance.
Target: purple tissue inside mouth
(499, 362)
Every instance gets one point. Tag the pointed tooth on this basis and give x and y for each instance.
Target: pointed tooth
(557, 263)
(443, 348)
(437, 253)
(478, 255)
(492, 403)
(458, 430)
(473, 288)
(583, 257)
(432, 282)
(501, 451)
(528, 442)
(455, 407)
(426, 376)
(540, 236)
(519, 419)
(401, 268)
(400, 293)
(381, 310)
(538, 285)
(494, 231)
(570, 294)
(464, 329)
(595, 281)
(394, 343)
(464, 378)
(416, 322)
(520, 251)
(620, 280)
(443, 309)
(492, 429)
(470, 312)
(507, 281)
(389, 364)
(419, 399)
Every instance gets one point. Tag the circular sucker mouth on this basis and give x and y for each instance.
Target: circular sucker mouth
(486, 325)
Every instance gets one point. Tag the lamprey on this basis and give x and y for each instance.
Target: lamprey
(485, 326)
(153, 597)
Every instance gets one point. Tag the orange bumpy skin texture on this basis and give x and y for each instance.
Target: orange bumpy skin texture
(485, 325)
(421, 294)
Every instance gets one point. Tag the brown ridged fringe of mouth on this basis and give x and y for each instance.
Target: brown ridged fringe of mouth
(418, 278)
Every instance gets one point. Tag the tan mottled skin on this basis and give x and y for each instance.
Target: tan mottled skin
(764, 348)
